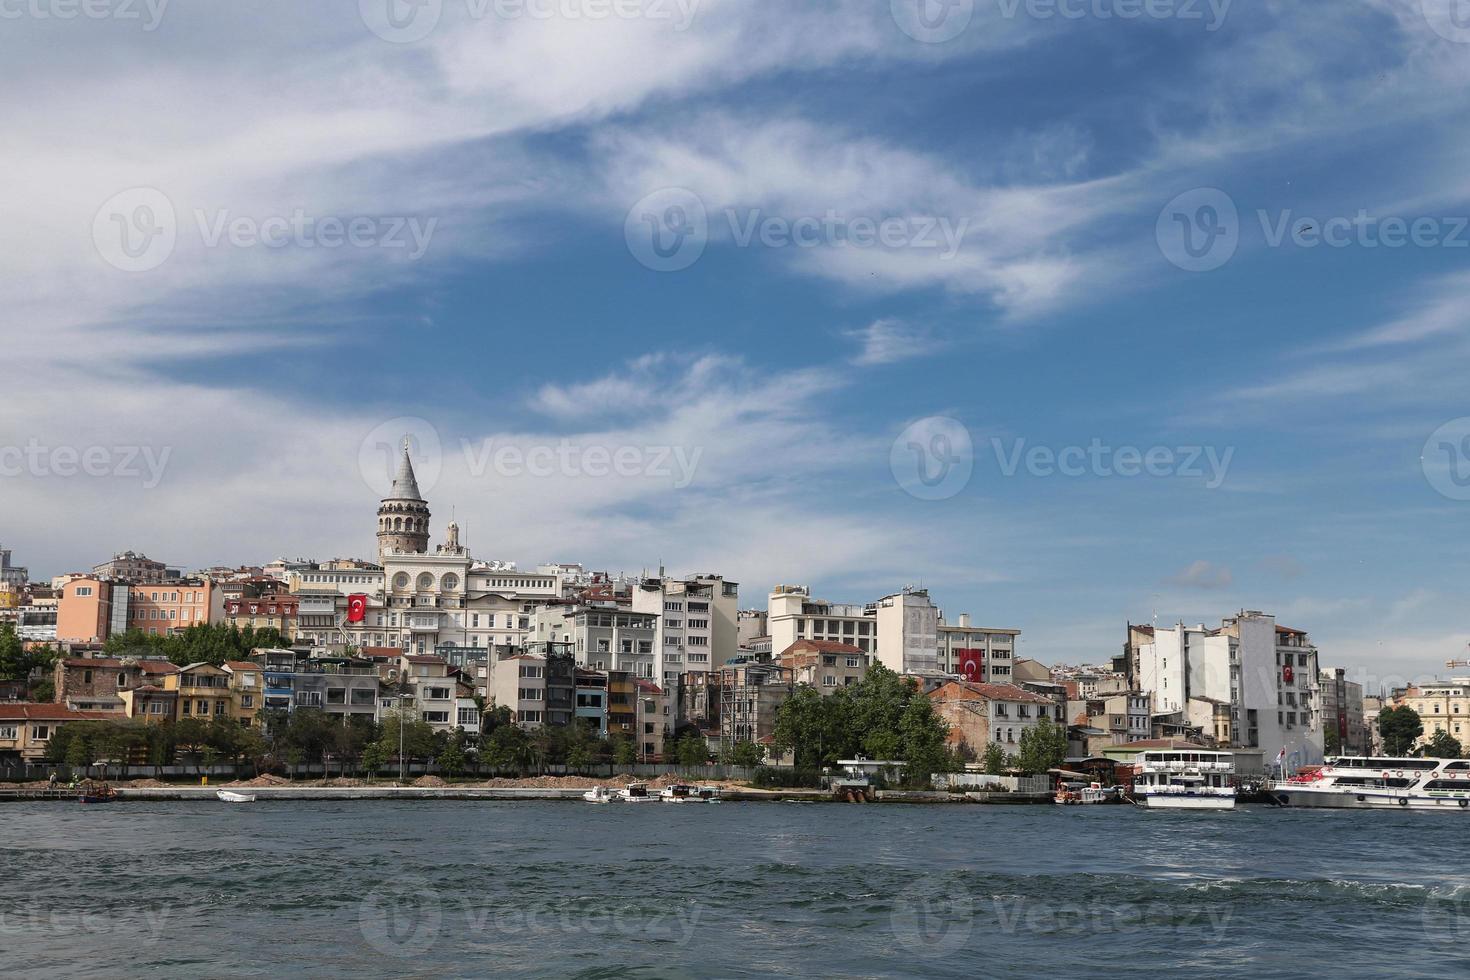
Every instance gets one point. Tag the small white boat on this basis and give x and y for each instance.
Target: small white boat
(679, 793)
(230, 797)
(600, 794)
(636, 793)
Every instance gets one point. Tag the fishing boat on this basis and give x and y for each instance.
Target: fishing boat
(1185, 780)
(1076, 794)
(679, 793)
(102, 793)
(230, 797)
(1379, 782)
(636, 793)
(600, 794)
(709, 794)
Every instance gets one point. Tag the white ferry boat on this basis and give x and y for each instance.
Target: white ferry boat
(1185, 779)
(1379, 782)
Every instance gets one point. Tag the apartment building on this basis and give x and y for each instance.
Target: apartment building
(981, 714)
(441, 695)
(92, 609)
(696, 628)
(1266, 673)
(291, 681)
(978, 654)
(203, 692)
(519, 683)
(825, 665)
(268, 611)
(1342, 714)
(135, 569)
(247, 690)
(26, 729)
(591, 705)
(901, 630)
(1442, 706)
(97, 683)
(602, 637)
(622, 704)
(751, 692)
(653, 721)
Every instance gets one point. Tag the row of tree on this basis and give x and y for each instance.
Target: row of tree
(285, 742)
(884, 716)
(211, 643)
(17, 663)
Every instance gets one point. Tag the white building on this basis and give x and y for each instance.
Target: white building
(792, 614)
(696, 630)
(979, 654)
(601, 637)
(1266, 673)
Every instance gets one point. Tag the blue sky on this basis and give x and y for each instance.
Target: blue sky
(1066, 155)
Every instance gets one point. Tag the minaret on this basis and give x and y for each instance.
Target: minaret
(403, 516)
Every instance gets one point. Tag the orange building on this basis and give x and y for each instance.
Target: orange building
(92, 609)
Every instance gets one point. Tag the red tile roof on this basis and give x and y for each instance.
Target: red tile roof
(37, 711)
(241, 665)
(822, 646)
(968, 691)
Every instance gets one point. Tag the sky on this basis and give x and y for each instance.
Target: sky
(1075, 312)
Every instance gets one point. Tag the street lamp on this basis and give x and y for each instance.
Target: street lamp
(402, 697)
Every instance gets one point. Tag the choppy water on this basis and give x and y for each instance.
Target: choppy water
(564, 889)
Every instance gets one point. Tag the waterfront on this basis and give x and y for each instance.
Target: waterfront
(562, 889)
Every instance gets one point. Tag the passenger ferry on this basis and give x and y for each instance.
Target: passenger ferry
(1171, 779)
(1377, 783)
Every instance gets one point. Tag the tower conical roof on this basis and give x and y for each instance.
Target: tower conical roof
(405, 484)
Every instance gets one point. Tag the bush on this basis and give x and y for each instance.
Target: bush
(769, 777)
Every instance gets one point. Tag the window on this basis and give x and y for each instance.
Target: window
(40, 733)
(699, 641)
(829, 680)
(854, 662)
(531, 717)
(436, 717)
(468, 716)
(8, 733)
(247, 701)
(436, 694)
(83, 591)
(532, 694)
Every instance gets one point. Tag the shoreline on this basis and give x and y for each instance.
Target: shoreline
(499, 793)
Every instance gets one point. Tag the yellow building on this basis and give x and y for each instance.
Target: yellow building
(204, 692)
(247, 690)
(1443, 706)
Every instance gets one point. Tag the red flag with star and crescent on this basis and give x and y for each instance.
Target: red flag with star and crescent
(356, 608)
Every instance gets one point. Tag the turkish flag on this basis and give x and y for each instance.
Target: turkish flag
(356, 608)
(972, 664)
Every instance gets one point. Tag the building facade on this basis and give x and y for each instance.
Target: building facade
(696, 623)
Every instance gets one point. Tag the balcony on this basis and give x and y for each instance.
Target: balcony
(423, 624)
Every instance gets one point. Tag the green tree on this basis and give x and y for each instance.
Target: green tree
(1331, 741)
(1442, 746)
(748, 754)
(78, 752)
(452, 759)
(374, 757)
(1401, 728)
(508, 747)
(691, 751)
(624, 752)
(923, 738)
(14, 665)
(191, 735)
(812, 727)
(1043, 747)
(995, 759)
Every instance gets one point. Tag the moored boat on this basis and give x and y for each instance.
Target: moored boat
(636, 793)
(232, 797)
(709, 794)
(600, 794)
(1377, 783)
(679, 793)
(1077, 794)
(1185, 779)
